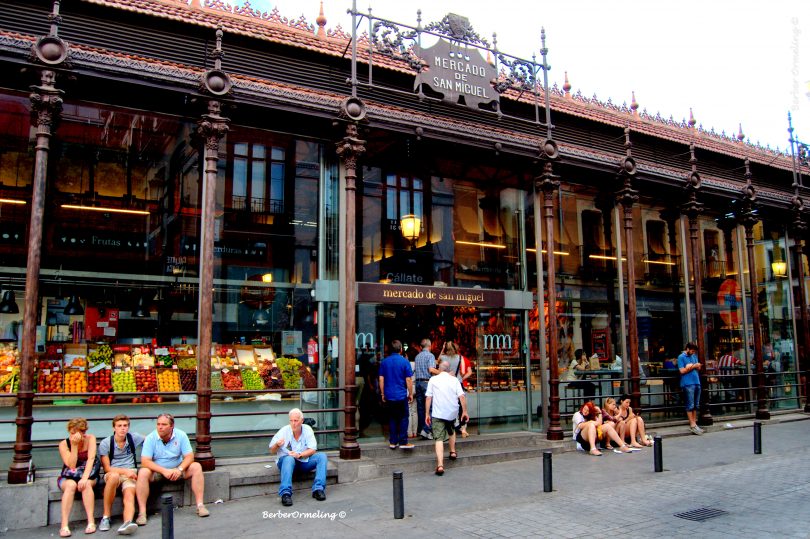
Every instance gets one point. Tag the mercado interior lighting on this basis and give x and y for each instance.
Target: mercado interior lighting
(603, 257)
(104, 210)
(560, 253)
(482, 244)
(411, 227)
(267, 278)
(11, 201)
(661, 262)
(779, 268)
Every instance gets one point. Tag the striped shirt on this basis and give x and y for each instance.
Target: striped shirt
(728, 362)
(424, 361)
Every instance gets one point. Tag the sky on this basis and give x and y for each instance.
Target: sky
(731, 61)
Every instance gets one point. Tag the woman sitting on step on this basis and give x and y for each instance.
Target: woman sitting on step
(631, 425)
(589, 430)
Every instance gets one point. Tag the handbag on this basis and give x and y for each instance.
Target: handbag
(77, 473)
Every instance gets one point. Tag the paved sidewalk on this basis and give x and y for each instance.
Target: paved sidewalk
(764, 496)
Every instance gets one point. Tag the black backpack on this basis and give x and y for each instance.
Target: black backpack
(131, 443)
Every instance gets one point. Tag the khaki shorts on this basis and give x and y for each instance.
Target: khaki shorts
(157, 476)
(123, 482)
(442, 428)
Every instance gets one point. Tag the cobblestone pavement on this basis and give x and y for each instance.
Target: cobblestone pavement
(763, 495)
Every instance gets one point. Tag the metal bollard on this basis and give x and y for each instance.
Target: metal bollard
(167, 515)
(757, 438)
(547, 479)
(658, 454)
(399, 496)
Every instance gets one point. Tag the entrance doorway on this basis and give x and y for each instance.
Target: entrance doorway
(488, 338)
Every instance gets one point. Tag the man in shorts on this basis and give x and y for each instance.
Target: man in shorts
(167, 455)
(689, 367)
(444, 394)
(120, 464)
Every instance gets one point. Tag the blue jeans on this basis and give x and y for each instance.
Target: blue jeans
(398, 421)
(288, 465)
(421, 389)
(691, 395)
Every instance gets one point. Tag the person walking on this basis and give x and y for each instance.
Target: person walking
(396, 390)
(689, 367)
(425, 360)
(444, 396)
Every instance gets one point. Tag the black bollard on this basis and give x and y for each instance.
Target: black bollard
(167, 515)
(658, 454)
(547, 480)
(399, 496)
(757, 438)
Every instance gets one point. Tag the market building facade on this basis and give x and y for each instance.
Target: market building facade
(229, 213)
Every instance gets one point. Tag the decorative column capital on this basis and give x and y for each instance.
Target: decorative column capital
(748, 215)
(351, 146)
(212, 126)
(627, 196)
(46, 101)
(798, 224)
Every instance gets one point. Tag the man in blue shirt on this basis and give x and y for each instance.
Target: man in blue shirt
(296, 448)
(167, 455)
(689, 367)
(424, 362)
(396, 388)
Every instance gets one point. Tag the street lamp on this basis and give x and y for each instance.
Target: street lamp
(411, 227)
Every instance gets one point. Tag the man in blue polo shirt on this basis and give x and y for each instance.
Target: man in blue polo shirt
(689, 367)
(396, 388)
(167, 455)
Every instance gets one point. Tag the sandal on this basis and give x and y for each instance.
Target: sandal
(439, 470)
(595, 452)
(91, 528)
(464, 434)
(64, 532)
(608, 447)
(453, 455)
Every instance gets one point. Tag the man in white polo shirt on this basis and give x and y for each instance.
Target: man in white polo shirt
(444, 393)
(167, 455)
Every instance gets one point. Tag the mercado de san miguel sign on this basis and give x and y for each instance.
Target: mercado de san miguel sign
(429, 295)
(457, 72)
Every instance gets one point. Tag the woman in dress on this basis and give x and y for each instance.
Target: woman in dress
(77, 450)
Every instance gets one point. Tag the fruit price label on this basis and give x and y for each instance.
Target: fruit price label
(174, 367)
(97, 368)
(46, 371)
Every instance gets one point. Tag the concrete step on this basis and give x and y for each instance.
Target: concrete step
(473, 443)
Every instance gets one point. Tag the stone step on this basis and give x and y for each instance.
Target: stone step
(474, 442)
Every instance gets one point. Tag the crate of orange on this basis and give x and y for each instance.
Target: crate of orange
(75, 381)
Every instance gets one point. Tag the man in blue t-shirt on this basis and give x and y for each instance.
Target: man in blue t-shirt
(167, 455)
(396, 388)
(689, 366)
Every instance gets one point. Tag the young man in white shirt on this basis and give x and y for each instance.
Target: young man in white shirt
(297, 448)
(444, 393)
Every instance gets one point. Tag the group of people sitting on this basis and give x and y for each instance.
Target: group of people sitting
(613, 427)
(82, 463)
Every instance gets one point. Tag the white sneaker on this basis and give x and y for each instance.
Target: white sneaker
(696, 430)
(426, 435)
(127, 528)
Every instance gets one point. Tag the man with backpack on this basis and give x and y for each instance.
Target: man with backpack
(120, 463)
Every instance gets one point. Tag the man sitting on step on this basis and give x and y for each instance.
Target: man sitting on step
(121, 470)
(297, 448)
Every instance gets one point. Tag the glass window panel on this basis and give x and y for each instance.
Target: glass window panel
(277, 154)
(258, 151)
(240, 149)
(240, 178)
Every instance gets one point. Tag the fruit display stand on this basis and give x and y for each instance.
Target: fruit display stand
(164, 356)
(123, 380)
(216, 381)
(49, 381)
(271, 375)
(142, 356)
(75, 380)
(146, 382)
(122, 356)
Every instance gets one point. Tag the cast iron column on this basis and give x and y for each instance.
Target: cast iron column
(800, 230)
(46, 106)
(628, 196)
(349, 149)
(211, 128)
(549, 183)
(749, 218)
(693, 209)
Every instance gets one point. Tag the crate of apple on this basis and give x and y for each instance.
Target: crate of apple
(231, 379)
(123, 382)
(49, 383)
(99, 381)
(146, 381)
(188, 379)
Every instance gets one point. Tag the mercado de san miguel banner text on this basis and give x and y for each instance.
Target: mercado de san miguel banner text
(429, 295)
